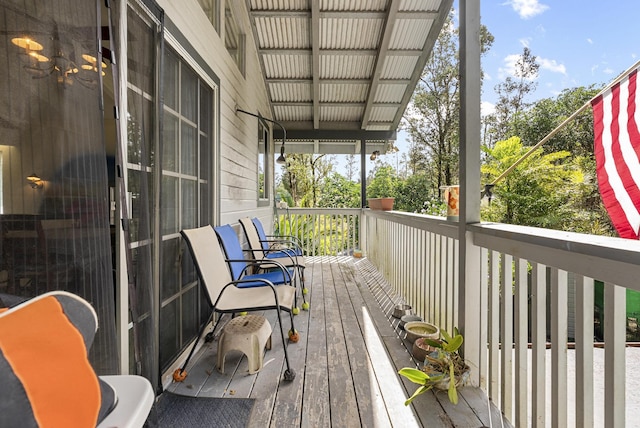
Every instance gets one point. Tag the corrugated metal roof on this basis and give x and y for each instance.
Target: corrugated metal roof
(343, 64)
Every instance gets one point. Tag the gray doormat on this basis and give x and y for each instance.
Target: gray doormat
(178, 411)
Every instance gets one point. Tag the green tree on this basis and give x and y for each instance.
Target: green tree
(433, 114)
(588, 214)
(339, 192)
(416, 194)
(304, 177)
(537, 192)
(382, 181)
(511, 98)
(546, 114)
(352, 168)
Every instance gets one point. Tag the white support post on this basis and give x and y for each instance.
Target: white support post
(469, 291)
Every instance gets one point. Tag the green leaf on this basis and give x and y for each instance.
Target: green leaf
(414, 375)
(433, 343)
(453, 393)
(418, 391)
(445, 336)
(454, 344)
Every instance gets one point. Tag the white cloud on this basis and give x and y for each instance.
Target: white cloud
(590, 41)
(608, 70)
(552, 65)
(525, 42)
(487, 108)
(527, 8)
(509, 67)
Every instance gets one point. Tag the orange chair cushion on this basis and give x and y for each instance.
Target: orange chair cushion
(48, 355)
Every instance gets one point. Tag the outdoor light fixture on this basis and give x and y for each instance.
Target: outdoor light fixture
(281, 159)
(374, 155)
(35, 181)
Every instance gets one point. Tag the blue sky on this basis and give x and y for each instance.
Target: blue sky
(576, 42)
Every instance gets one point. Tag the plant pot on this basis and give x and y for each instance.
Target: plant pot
(381, 204)
(420, 349)
(401, 310)
(408, 318)
(417, 329)
(461, 380)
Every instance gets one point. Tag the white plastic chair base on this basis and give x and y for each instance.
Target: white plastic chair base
(135, 399)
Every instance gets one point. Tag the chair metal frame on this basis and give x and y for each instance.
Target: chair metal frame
(262, 249)
(226, 294)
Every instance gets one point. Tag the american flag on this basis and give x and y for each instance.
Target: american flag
(617, 153)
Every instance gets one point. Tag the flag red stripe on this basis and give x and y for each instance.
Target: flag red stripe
(632, 125)
(616, 135)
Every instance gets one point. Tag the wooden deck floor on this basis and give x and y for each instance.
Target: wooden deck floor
(346, 363)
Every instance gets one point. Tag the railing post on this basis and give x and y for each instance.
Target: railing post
(469, 293)
(615, 302)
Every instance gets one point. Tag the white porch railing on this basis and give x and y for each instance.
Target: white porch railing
(322, 231)
(535, 290)
(524, 282)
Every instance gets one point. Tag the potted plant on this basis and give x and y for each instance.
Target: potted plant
(444, 368)
(383, 204)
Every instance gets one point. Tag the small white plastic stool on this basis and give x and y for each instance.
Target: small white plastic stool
(248, 334)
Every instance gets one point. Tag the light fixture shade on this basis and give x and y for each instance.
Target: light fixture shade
(281, 160)
(27, 43)
(34, 180)
(33, 177)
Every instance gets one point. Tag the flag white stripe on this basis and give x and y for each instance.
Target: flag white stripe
(628, 153)
(630, 211)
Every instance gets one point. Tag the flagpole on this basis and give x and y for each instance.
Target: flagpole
(559, 127)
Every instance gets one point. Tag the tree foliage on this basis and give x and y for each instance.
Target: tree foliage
(505, 122)
(339, 192)
(382, 181)
(536, 192)
(433, 115)
(304, 176)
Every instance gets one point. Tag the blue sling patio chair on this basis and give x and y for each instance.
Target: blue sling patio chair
(289, 257)
(242, 268)
(280, 246)
(226, 294)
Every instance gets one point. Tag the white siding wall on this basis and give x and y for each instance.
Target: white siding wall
(237, 193)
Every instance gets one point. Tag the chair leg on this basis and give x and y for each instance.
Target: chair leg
(289, 373)
(180, 374)
(305, 291)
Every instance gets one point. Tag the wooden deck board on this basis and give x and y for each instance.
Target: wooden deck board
(315, 404)
(346, 362)
(342, 395)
